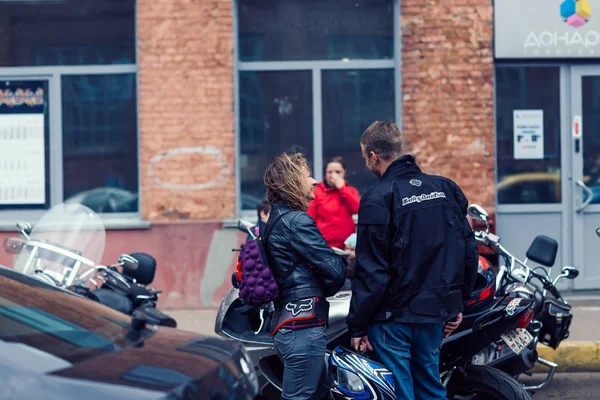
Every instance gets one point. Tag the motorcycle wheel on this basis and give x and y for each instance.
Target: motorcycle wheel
(483, 382)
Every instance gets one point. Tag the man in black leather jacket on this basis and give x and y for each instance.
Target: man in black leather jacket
(416, 264)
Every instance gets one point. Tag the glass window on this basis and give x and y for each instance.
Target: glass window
(74, 32)
(24, 145)
(284, 30)
(275, 116)
(352, 100)
(100, 167)
(528, 181)
(590, 86)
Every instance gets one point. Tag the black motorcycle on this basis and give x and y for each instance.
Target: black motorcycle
(128, 291)
(553, 317)
(65, 249)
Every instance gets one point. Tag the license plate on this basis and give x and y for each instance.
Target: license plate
(517, 340)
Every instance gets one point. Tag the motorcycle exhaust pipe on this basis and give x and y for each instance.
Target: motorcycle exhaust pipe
(517, 364)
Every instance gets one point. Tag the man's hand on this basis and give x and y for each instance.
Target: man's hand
(361, 343)
(451, 325)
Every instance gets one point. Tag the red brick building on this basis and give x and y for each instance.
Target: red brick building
(171, 110)
(222, 86)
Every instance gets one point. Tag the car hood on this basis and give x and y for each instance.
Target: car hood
(171, 364)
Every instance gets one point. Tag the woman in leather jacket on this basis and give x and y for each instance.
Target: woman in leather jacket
(307, 271)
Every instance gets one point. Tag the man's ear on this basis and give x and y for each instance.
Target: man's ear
(373, 156)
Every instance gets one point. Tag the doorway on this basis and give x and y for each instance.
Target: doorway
(553, 187)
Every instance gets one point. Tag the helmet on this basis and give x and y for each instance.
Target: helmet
(353, 376)
(485, 286)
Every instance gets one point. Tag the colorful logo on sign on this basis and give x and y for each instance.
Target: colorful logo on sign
(576, 12)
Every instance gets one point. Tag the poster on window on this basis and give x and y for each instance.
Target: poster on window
(528, 132)
(22, 159)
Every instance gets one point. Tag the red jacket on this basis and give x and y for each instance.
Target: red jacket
(332, 210)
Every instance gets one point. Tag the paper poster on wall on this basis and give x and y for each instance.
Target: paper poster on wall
(528, 128)
(22, 159)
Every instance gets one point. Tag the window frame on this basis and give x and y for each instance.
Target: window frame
(54, 76)
(316, 67)
(564, 127)
(54, 73)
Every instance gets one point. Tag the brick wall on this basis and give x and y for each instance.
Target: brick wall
(187, 139)
(448, 92)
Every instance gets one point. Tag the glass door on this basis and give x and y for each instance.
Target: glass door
(585, 183)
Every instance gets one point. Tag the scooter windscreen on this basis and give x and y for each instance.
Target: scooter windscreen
(353, 376)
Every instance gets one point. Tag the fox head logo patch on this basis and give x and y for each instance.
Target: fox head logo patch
(300, 306)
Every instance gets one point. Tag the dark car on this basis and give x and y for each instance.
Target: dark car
(58, 345)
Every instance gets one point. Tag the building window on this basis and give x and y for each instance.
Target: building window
(525, 178)
(100, 141)
(312, 76)
(74, 32)
(81, 57)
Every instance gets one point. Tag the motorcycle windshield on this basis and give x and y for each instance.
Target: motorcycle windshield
(65, 243)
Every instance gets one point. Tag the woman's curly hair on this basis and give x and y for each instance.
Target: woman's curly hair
(284, 179)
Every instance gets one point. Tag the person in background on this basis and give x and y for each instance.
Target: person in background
(263, 209)
(350, 249)
(334, 204)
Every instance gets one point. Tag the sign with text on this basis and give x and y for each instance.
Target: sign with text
(528, 134)
(22, 159)
(546, 29)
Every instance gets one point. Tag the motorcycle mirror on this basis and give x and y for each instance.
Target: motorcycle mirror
(24, 228)
(244, 226)
(128, 261)
(570, 272)
(477, 212)
(13, 245)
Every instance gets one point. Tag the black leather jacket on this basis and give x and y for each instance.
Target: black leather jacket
(295, 242)
(416, 256)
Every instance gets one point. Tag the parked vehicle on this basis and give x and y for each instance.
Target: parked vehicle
(553, 317)
(65, 248)
(55, 344)
(353, 376)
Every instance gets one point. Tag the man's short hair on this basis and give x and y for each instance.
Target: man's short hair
(384, 139)
(263, 206)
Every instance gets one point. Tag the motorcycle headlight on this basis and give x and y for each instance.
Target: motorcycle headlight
(349, 380)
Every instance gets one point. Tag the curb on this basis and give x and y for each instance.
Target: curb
(571, 357)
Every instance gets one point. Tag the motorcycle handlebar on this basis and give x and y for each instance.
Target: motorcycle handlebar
(492, 240)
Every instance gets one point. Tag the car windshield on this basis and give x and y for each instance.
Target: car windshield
(57, 322)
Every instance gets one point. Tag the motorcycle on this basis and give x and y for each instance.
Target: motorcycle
(552, 319)
(64, 250)
(354, 376)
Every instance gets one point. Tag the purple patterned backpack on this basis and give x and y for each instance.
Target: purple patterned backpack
(255, 280)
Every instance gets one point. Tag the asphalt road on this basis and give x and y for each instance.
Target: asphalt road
(568, 386)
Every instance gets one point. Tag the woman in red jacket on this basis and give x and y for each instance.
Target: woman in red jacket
(334, 204)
